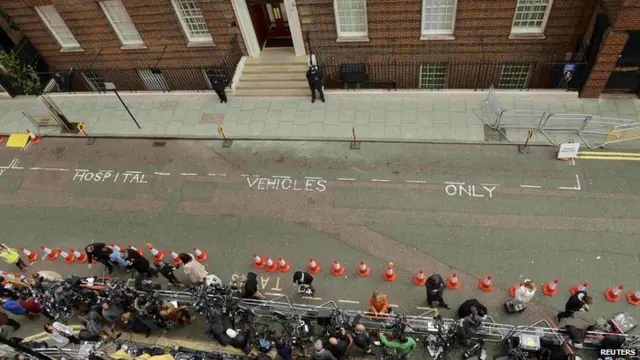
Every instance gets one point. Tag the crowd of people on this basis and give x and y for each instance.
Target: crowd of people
(107, 319)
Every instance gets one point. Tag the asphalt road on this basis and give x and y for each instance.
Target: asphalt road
(475, 210)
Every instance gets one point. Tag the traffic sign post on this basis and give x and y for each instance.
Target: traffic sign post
(522, 149)
(225, 142)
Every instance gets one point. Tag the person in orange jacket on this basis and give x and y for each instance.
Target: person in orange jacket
(378, 304)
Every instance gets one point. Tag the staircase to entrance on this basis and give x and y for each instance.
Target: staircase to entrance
(276, 72)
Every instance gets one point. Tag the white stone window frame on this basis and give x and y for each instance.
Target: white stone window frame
(67, 42)
(351, 37)
(193, 40)
(432, 72)
(120, 31)
(527, 32)
(515, 77)
(437, 34)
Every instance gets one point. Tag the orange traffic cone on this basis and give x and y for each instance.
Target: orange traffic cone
(419, 278)
(174, 257)
(576, 288)
(283, 266)
(68, 258)
(51, 254)
(136, 249)
(633, 298)
(337, 269)
(201, 256)
(313, 267)
(258, 263)
(614, 294)
(158, 255)
(31, 256)
(485, 284)
(363, 270)
(453, 282)
(269, 265)
(550, 288)
(33, 137)
(81, 257)
(389, 274)
(513, 288)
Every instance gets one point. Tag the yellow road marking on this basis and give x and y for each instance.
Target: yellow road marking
(607, 153)
(608, 158)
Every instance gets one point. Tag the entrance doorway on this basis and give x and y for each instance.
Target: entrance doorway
(271, 23)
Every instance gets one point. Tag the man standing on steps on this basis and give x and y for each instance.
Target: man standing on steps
(316, 82)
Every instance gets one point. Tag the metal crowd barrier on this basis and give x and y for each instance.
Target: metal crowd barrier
(421, 324)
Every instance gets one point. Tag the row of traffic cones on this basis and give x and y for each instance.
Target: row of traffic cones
(80, 257)
(550, 288)
(271, 266)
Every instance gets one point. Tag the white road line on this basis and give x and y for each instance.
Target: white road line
(133, 172)
(346, 179)
(490, 184)
(312, 177)
(531, 186)
(282, 177)
(578, 181)
(35, 168)
(394, 305)
(212, 174)
(416, 181)
(188, 174)
(244, 175)
(311, 298)
(56, 169)
(577, 187)
(453, 183)
(380, 180)
(255, 175)
(105, 170)
(26, 146)
(349, 301)
(423, 308)
(82, 170)
(18, 167)
(162, 174)
(273, 294)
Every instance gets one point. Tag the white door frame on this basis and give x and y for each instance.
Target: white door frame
(243, 17)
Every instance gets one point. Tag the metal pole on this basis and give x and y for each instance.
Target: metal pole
(24, 349)
(125, 106)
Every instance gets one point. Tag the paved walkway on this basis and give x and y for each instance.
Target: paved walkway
(394, 116)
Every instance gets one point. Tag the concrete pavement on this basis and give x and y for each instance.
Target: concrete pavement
(477, 210)
(390, 116)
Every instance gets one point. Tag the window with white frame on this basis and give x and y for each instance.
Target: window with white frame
(58, 27)
(432, 76)
(121, 22)
(438, 17)
(531, 16)
(351, 18)
(192, 21)
(514, 76)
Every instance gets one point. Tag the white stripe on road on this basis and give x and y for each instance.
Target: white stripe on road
(490, 184)
(105, 170)
(188, 174)
(379, 180)
(162, 173)
(349, 301)
(35, 168)
(82, 170)
(311, 298)
(346, 179)
(312, 177)
(244, 175)
(273, 294)
(56, 169)
(423, 308)
(416, 181)
(282, 177)
(394, 305)
(531, 186)
(18, 167)
(133, 172)
(453, 183)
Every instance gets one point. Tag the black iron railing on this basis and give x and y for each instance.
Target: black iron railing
(161, 78)
(518, 75)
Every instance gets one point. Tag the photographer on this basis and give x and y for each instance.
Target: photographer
(401, 347)
(579, 301)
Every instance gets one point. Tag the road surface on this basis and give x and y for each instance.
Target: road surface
(474, 210)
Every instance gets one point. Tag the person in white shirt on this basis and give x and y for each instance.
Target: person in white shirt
(525, 292)
(61, 334)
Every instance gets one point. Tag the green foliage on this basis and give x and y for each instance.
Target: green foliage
(21, 75)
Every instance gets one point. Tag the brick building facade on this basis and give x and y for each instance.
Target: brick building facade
(430, 44)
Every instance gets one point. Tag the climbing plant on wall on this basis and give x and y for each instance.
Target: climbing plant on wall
(20, 74)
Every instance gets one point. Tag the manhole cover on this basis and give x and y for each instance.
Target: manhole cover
(159, 144)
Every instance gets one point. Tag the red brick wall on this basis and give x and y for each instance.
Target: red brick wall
(481, 32)
(155, 20)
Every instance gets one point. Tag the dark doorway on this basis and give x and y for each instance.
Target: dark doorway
(270, 22)
(601, 25)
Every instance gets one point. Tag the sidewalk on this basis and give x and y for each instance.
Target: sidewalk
(392, 116)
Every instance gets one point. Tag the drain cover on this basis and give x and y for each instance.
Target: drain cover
(159, 144)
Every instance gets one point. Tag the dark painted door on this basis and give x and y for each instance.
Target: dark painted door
(259, 20)
(279, 27)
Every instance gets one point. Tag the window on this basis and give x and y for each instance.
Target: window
(351, 18)
(58, 28)
(438, 17)
(514, 76)
(121, 22)
(192, 21)
(432, 76)
(531, 16)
